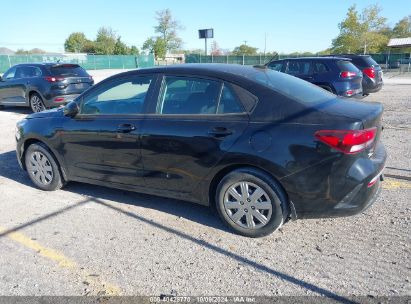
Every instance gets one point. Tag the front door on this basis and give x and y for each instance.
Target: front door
(103, 141)
(12, 88)
(195, 123)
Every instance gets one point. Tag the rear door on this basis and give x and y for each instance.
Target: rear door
(301, 69)
(193, 124)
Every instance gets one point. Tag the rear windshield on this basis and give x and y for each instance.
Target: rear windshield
(347, 66)
(364, 61)
(290, 86)
(68, 71)
(370, 61)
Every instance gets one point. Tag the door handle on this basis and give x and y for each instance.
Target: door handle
(220, 132)
(125, 128)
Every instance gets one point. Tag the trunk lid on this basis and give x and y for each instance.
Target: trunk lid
(368, 114)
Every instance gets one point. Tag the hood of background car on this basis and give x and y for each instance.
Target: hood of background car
(56, 112)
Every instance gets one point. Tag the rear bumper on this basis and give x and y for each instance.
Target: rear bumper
(347, 192)
(371, 86)
(59, 100)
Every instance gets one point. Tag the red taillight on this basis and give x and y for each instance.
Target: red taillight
(53, 79)
(346, 74)
(349, 93)
(59, 99)
(347, 141)
(370, 72)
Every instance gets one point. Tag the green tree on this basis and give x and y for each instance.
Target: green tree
(75, 42)
(361, 32)
(244, 50)
(120, 48)
(167, 28)
(21, 52)
(402, 28)
(89, 47)
(32, 51)
(134, 50)
(156, 46)
(106, 41)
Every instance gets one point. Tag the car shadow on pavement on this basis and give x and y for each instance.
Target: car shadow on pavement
(190, 211)
(10, 169)
(17, 110)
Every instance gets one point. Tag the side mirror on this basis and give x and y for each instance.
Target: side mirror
(71, 109)
(1, 79)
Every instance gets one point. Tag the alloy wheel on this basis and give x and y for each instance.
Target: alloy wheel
(36, 104)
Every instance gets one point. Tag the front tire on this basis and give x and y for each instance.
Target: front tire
(36, 103)
(43, 170)
(251, 202)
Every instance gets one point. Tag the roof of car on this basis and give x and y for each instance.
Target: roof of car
(44, 64)
(317, 58)
(212, 69)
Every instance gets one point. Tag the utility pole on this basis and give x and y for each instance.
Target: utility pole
(245, 42)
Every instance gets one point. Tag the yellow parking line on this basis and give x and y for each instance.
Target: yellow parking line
(63, 262)
(392, 184)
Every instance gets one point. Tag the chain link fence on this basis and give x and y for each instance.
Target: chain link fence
(88, 62)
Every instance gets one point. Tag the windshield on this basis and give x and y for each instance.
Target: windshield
(290, 86)
(68, 71)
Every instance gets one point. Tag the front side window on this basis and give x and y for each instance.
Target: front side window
(186, 95)
(276, 65)
(124, 96)
(28, 72)
(10, 73)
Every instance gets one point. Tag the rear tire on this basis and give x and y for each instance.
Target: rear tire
(42, 168)
(251, 202)
(36, 103)
(327, 88)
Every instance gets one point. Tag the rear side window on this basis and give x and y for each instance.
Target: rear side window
(298, 67)
(320, 67)
(190, 96)
(229, 102)
(292, 87)
(68, 70)
(347, 66)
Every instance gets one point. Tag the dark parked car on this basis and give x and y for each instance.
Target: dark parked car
(259, 145)
(337, 75)
(42, 85)
(372, 73)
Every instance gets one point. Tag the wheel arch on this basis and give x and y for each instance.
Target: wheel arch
(28, 142)
(32, 91)
(230, 168)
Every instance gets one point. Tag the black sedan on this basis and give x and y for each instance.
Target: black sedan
(259, 145)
